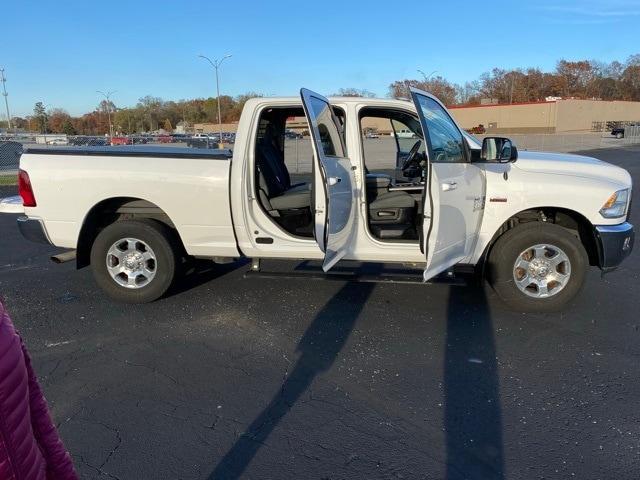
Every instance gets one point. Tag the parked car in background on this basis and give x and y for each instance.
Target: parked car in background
(121, 141)
(372, 135)
(203, 140)
(81, 140)
(405, 133)
(78, 140)
(99, 141)
(58, 141)
(134, 214)
(228, 137)
(618, 132)
(179, 137)
(290, 134)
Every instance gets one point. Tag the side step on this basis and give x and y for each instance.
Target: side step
(448, 278)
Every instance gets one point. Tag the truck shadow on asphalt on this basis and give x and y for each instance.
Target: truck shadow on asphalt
(200, 272)
(319, 348)
(472, 413)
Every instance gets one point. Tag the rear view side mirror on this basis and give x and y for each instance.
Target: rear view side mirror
(498, 149)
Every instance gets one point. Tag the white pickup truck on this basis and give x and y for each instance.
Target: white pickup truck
(532, 223)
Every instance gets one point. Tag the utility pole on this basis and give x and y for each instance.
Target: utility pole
(6, 95)
(511, 92)
(216, 64)
(107, 96)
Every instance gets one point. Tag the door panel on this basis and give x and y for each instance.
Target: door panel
(454, 191)
(333, 181)
(460, 196)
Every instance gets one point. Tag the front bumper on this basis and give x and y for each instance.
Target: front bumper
(33, 229)
(615, 243)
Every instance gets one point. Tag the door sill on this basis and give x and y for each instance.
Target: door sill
(359, 272)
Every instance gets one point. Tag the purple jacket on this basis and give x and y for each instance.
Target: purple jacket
(30, 448)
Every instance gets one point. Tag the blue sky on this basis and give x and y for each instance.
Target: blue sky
(62, 52)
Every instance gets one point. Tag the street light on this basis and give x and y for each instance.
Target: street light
(216, 64)
(107, 96)
(426, 77)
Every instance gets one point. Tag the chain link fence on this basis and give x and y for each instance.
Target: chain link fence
(574, 142)
(10, 152)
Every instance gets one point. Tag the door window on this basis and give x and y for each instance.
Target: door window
(330, 138)
(446, 141)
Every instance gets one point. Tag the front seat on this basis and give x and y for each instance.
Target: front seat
(392, 207)
(391, 214)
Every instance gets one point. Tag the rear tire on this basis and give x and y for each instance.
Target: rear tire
(619, 135)
(135, 261)
(537, 267)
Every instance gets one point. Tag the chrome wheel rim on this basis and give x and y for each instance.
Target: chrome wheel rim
(542, 270)
(131, 263)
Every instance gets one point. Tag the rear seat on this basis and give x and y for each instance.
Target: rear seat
(275, 189)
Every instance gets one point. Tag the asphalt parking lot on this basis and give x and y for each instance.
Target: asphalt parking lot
(281, 379)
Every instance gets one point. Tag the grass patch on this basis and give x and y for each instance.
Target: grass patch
(8, 179)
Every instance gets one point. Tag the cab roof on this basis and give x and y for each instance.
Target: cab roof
(388, 102)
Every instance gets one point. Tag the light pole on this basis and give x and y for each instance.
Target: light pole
(426, 77)
(107, 97)
(6, 95)
(216, 64)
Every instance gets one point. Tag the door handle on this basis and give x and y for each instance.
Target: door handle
(334, 180)
(449, 186)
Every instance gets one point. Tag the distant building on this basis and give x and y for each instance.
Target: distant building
(183, 127)
(552, 116)
(214, 127)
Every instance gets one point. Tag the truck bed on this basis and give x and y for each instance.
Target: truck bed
(190, 186)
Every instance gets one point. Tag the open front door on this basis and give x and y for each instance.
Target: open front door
(334, 200)
(454, 188)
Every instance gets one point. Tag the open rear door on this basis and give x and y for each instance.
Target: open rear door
(334, 200)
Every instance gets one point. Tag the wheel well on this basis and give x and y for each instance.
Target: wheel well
(109, 211)
(569, 219)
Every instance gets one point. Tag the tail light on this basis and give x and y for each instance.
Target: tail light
(25, 190)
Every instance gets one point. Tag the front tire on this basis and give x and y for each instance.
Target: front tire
(619, 135)
(134, 261)
(537, 267)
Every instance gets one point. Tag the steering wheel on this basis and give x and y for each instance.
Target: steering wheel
(411, 157)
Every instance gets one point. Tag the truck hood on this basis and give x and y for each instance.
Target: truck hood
(574, 165)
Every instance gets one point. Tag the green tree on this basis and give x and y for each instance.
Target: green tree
(68, 128)
(40, 114)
